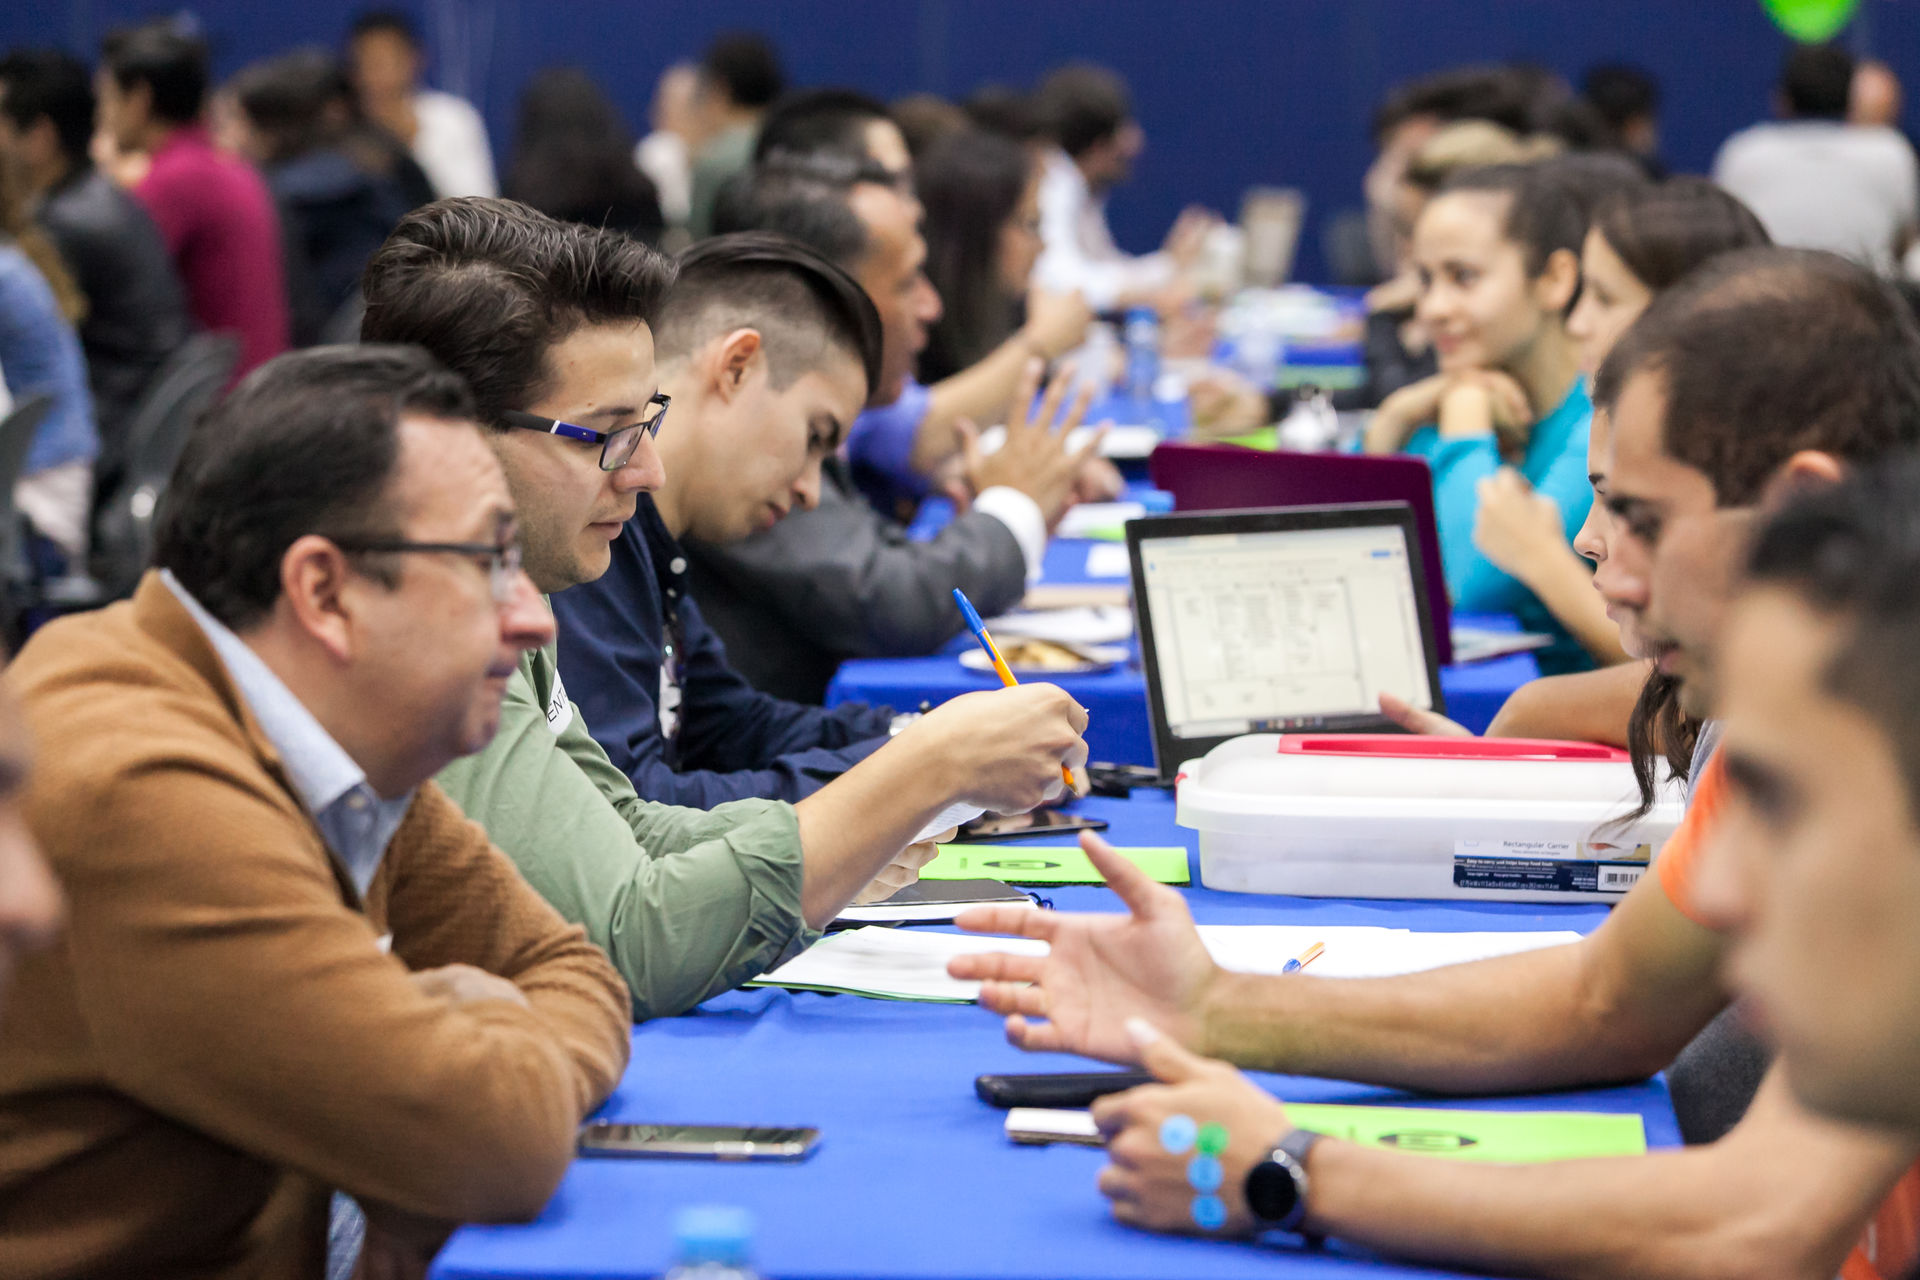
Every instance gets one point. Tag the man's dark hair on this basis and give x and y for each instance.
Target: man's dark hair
(391, 22)
(287, 99)
(1081, 105)
(1000, 108)
(1816, 82)
(804, 197)
(800, 303)
(1661, 231)
(489, 286)
(53, 85)
(163, 55)
(1853, 549)
(1621, 93)
(744, 65)
(813, 120)
(1543, 215)
(307, 444)
(1498, 94)
(1766, 352)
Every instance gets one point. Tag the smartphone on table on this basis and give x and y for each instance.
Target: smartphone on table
(698, 1141)
(1011, 826)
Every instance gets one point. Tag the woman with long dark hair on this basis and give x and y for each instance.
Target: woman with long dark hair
(982, 195)
(573, 158)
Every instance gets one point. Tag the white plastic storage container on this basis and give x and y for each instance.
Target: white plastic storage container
(1401, 816)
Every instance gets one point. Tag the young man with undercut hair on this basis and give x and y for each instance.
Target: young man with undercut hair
(892, 595)
(766, 350)
(1767, 368)
(552, 324)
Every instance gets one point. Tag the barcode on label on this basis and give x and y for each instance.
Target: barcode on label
(1620, 877)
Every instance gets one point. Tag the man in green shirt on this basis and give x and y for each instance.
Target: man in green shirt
(550, 323)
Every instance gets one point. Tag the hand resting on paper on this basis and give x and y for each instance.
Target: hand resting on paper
(1101, 968)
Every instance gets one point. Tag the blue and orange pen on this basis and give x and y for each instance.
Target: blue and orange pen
(1305, 958)
(979, 630)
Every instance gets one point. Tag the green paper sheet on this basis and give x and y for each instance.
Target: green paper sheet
(1023, 863)
(1499, 1137)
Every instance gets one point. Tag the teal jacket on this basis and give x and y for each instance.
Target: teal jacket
(687, 902)
(1555, 465)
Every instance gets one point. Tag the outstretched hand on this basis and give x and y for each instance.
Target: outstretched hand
(1100, 970)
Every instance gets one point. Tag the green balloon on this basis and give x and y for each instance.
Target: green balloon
(1811, 21)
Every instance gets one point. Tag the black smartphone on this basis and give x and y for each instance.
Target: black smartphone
(1041, 822)
(1121, 779)
(1056, 1089)
(698, 1141)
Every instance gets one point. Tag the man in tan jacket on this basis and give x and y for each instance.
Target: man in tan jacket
(291, 964)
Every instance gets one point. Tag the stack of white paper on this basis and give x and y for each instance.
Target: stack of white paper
(906, 964)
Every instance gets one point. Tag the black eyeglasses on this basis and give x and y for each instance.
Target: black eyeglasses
(616, 447)
(503, 567)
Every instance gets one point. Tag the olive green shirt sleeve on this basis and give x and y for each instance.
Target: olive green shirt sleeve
(687, 902)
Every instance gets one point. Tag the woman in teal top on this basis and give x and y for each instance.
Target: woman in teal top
(1497, 253)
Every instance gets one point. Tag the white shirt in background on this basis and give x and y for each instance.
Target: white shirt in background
(663, 156)
(1079, 252)
(1824, 184)
(451, 145)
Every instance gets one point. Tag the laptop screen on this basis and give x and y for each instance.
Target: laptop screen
(1273, 622)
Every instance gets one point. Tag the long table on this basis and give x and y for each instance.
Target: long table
(1118, 727)
(913, 1178)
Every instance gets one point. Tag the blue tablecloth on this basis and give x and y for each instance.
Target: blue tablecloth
(1118, 727)
(913, 1177)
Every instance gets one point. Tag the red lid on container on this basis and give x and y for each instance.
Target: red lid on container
(1408, 746)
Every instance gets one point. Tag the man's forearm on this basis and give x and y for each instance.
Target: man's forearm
(1520, 1022)
(855, 825)
(1783, 1195)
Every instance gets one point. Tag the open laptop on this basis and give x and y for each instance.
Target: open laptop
(1218, 477)
(1276, 621)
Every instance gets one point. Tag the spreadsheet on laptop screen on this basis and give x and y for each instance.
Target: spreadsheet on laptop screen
(1271, 631)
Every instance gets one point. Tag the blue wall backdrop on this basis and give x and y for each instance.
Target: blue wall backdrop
(1231, 92)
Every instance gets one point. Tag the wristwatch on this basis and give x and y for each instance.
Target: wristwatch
(1277, 1186)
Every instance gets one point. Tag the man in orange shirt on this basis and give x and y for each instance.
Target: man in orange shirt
(1814, 867)
(1766, 367)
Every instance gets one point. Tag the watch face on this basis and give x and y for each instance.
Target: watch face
(1271, 1191)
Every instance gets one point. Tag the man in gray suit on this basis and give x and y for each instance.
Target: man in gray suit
(842, 581)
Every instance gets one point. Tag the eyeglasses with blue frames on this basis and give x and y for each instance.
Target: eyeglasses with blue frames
(503, 558)
(616, 447)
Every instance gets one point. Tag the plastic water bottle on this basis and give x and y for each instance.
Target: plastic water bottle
(713, 1242)
(1143, 354)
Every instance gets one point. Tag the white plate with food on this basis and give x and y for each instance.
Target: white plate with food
(1043, 658)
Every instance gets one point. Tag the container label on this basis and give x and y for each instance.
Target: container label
(1550, 866)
